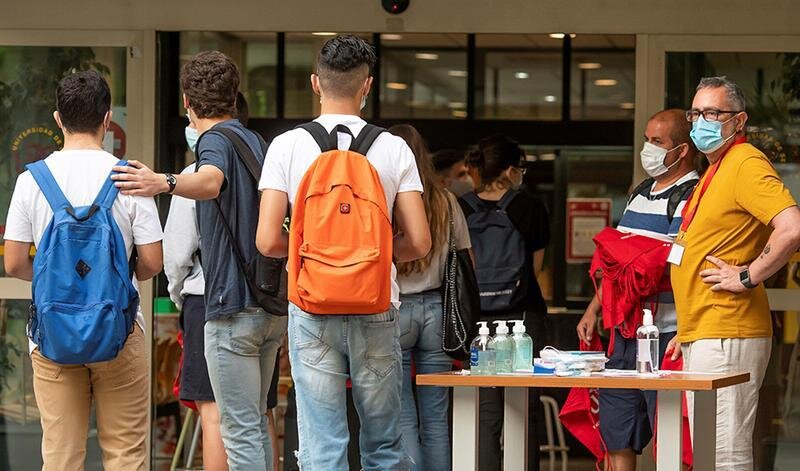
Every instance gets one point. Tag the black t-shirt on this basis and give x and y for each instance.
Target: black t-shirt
(529, 216)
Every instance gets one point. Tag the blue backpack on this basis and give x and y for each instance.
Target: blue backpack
(83, 303)
(499, 249)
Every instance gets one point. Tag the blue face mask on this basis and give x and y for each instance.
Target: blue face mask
(191, 137)
(707, 135)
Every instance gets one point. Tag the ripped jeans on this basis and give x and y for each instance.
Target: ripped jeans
(326, 350)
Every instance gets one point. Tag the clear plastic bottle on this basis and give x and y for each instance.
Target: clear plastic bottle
(504, 348)
(481, 353)
(647, 360)
(523, 348)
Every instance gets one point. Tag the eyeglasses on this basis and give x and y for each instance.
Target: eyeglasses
(711, 114)
(522, 170)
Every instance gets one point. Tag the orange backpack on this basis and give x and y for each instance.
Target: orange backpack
(340, 242)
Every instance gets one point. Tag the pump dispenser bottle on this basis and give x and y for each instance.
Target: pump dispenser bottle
(523, 348)
(504, 348)
(482, 353)
(647, 359)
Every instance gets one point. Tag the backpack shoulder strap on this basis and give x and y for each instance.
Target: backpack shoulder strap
(320, 135)
(243, 150)
(507, 198)
(108, 192)
(678, 195)
(473, 201)
(641, 188)
(366, 138)
(52, 192)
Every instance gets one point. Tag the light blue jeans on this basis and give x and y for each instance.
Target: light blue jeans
(327, 349)
(240, 351)
(424, 422)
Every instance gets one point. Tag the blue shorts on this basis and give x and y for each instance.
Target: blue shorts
(627, 415)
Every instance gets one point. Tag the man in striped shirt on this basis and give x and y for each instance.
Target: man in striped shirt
(653, 210)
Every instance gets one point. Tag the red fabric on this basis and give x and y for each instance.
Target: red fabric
(176, 385)
(687, 456)
(581, 412)
(633, 269)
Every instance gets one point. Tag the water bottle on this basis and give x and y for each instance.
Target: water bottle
(523, 348)
(504, 349)
(481, 353)
(647, 359)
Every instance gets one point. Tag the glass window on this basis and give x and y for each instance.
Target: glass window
(603, 75)
(301, 55)
(771, 84)
(518, 76)
(255, 54)
(423, 76)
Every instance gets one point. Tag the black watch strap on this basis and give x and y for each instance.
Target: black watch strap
(171, 181)
(744, 277)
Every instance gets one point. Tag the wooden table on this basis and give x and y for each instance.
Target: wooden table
(515, 424)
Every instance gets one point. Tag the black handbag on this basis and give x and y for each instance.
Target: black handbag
(266, 276)
(461, 303)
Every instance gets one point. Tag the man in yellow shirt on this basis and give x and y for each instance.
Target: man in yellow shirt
(740, 226)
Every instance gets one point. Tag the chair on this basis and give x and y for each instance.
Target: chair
(551, 412)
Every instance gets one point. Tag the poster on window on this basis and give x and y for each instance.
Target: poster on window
(585, 218)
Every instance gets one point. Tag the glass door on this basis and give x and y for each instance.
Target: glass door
(30, 68)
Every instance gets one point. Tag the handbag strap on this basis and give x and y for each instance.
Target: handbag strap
(452, 238)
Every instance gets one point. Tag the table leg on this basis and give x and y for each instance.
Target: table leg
(705, 430)
(515, 429)
(670, 431)
(465, 428)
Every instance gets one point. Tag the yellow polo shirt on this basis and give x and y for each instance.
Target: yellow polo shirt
(732, 224)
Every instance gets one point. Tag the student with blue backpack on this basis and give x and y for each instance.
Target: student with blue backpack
(509, 230)
(85, 326)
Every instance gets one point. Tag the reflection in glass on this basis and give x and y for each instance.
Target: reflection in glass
(424, 76)
(603, 74)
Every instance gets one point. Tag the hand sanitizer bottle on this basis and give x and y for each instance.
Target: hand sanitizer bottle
(504, 348)
(481, 353)
(523, 348)
(647, 360)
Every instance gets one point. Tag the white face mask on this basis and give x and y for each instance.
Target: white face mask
(653, 158)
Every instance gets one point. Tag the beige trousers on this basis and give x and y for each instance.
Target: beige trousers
(118, 388)
(736, 405)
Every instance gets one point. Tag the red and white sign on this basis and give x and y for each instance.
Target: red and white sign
(585, 218)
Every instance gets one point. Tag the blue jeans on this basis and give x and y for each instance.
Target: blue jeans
(326, 350)
(425, 431)
(241, 351)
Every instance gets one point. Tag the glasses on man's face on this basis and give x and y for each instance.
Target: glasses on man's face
(522, 170)
(710, 114)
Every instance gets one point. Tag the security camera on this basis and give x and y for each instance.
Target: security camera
(395, 7)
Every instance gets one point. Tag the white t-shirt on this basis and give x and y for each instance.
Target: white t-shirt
(291, 154)
(80, 174)
(433, 276)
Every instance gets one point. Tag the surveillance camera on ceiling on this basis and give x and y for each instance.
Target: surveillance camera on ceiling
(395, 7)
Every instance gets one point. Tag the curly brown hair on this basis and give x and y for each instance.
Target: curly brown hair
(211, 81)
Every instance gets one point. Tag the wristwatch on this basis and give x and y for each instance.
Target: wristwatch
(171, 181)
(744, 277)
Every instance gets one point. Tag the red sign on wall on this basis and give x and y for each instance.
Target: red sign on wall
(585, 218)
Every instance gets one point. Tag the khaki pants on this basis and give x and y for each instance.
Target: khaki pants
(736, 405)
(64, 395)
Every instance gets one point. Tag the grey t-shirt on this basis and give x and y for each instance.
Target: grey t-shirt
(226, 289)
(432, 277)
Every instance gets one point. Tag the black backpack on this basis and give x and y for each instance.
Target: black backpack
(675, 197)
(500, 255)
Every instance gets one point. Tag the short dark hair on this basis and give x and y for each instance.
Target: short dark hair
(445, 158)
(82, 100)
(210, 81)
(494, 155)
(343, 63)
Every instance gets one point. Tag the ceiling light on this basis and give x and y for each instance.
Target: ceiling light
(561, 35)
(626, 106)
(457, 104)
(550, 98)
(457, 73)
(459, 114)
(426, 56)
(396, 85)
(324, 33)
(589, 65)
(391, 37)
(522, 75)
(605, 82)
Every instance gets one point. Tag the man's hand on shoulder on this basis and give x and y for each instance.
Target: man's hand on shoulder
(137, 179)
(723, 278)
